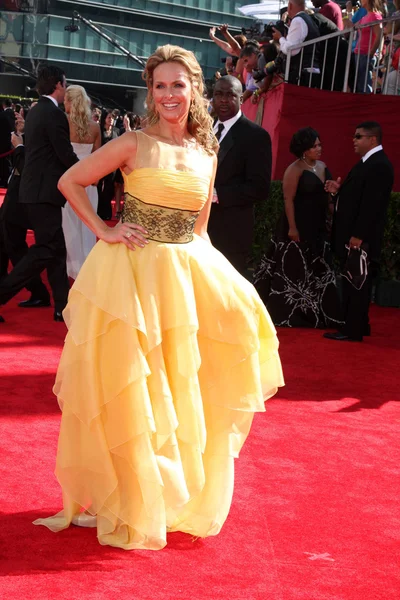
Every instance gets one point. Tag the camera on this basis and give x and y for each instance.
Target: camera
(269, 29)
(278, 66)
(71, 28)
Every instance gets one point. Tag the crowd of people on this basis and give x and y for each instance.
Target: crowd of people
(260, 62)
(90, 127)
(170, 349)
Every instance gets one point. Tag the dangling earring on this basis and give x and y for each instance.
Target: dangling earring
(303, 157)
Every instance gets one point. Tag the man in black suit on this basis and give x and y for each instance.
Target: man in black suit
(48, 154)
(243, 174)
(5, 147)
(359, 221)
(14, 225)
(10, 113)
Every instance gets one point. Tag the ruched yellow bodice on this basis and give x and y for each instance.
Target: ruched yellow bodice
(169, 176)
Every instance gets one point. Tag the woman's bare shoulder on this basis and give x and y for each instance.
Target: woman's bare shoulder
(94, 128)
(294, 170)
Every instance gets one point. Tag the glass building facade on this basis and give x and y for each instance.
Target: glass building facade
(34, 31)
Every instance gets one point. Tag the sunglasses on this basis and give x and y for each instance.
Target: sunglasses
(358, 136)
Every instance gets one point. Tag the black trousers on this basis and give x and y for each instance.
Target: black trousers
(4, 258)
(239, 261)
(356, 308)
(15, 246)
(105, 190)
(48, 252)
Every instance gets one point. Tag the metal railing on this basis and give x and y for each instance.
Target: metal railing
(333, 62)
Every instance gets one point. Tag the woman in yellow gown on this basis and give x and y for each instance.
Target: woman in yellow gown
(170, 351)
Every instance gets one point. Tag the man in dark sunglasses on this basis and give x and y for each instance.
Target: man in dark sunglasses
(361, 203)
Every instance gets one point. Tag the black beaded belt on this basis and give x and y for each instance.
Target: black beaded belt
(163, 224)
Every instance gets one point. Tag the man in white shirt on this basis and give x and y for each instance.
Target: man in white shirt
(359, 223)
(243, 174)
(302, 29)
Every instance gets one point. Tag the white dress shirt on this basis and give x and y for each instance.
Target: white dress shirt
(52, 99)
(371, 152)
(227, 125)
(297, 33)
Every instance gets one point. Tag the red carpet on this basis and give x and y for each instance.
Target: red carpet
(316, 507)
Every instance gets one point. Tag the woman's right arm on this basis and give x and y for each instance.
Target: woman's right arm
(116, 153)
(290, 183)
(223, 45)
(235, 46)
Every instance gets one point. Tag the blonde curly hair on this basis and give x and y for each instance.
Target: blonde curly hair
(200, 123)
(80, 113)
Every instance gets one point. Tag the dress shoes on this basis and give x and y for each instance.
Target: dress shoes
(58, 317)
(340, 337)
(34, 303)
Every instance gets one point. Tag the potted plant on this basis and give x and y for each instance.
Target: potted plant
(387, 291)
(266, 216)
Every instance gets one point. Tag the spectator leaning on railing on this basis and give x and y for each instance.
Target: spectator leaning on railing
(367, 45)
(392, 31)
(330, 10)
(253, 61)
(232, 46)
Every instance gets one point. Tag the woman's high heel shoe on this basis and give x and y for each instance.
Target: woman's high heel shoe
(85, 519)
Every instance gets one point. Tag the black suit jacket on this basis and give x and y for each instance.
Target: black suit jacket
(48, 154)
(10, 114)
(12, 210)
(362, 203)
(243, 178)
(5, 132)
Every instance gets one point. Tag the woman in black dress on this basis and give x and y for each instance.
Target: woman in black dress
(111, 185)
(295, 278)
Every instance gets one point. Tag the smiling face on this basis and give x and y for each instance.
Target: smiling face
(314, 153)
(172, 92)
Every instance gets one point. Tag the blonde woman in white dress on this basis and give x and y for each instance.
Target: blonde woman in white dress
(85, 138)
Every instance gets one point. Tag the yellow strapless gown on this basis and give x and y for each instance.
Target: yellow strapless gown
(169, 354)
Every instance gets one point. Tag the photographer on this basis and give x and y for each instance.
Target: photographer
(302, 29)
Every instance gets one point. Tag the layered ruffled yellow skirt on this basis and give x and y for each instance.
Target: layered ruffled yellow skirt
(169, 354)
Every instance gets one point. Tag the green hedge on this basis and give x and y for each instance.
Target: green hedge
(268, 213)
(17, 99)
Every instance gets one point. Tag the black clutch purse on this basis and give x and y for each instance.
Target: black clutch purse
(356, 267)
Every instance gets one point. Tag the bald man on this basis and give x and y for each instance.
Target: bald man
(302, 29)
(243, 175)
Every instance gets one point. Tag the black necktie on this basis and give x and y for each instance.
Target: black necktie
(220, 129)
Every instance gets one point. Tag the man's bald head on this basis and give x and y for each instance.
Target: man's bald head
(295, 6)
(227, 97)
(229, 80)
